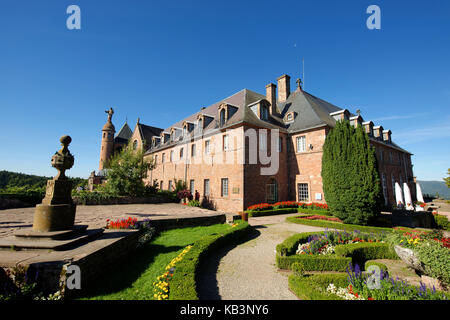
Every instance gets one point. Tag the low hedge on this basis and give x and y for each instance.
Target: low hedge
(380, 265)
(289, 246)
(30, 198)
(256, 213)
(337, 225)
(314, 262)
(344, 254)
(442, 222)
(313, 287)
(320, 212)
(183, 285)
(361, 252)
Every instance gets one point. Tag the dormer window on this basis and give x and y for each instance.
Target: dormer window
(222, 116)
(289, 117)
(264, 113)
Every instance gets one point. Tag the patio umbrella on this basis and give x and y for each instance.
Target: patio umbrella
(408, 199)
(398, 194)
(419, 193)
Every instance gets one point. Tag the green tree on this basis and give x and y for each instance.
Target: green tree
(447, 180)
(126, 171)
(351, 181)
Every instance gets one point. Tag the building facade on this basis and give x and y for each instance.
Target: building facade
(251, 148)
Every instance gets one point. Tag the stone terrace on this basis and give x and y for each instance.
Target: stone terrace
(95, 216)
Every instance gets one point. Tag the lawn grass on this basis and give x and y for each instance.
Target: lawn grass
(133, 279)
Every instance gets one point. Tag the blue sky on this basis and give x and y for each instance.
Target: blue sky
(163, 60)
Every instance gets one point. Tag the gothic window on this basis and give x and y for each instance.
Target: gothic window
(135, 144)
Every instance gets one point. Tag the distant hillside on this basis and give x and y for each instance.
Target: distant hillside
(10, 179)
(431, 187)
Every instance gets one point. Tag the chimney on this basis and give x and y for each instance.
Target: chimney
(271, 97)
(387, 135)
(284, 87)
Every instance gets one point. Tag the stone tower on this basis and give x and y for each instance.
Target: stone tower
(108, 132)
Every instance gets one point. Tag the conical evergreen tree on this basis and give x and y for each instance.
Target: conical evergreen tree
(350, 177)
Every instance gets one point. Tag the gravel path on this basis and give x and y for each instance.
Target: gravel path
(247, 271)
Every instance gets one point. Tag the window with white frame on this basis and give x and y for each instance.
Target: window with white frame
(303, 192)
(170, 185)
(191, 186)
(171, 156)
(301, 144)
(193, 150)
(207, 147)
(206, 187)
(225, 143)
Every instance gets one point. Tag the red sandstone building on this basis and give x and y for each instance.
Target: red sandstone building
(251, 148)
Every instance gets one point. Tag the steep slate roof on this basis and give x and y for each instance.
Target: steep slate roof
(147, 132)
(124, 132)
(311, 112)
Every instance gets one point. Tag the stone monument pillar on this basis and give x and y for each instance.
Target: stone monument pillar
(57, 210)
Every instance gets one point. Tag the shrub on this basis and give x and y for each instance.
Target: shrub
(337, 225)
(361, 252)
(314, 211)
(258, 213)
(442, 222)
(314, 262)
(194, 203)
(380, 265)
(127, 169)
(313, 287)
(351, 182)
(436, 259)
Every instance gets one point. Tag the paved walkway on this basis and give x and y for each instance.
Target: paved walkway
(248, 271)
(95, 216)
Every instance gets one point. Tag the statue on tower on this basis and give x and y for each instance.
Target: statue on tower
(110, 113)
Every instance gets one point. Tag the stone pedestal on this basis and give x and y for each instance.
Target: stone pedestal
(57, 210)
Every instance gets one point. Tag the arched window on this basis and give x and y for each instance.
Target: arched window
(272, 191)
(135, 144)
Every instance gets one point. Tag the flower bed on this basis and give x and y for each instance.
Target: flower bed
(319, 217)
(316, 255)
(337, 225)
(382, 287)
(287, 204)
(129, 223)
(162, 283)
(326, 242)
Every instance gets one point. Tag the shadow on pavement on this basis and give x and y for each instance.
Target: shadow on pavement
(207, 273)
